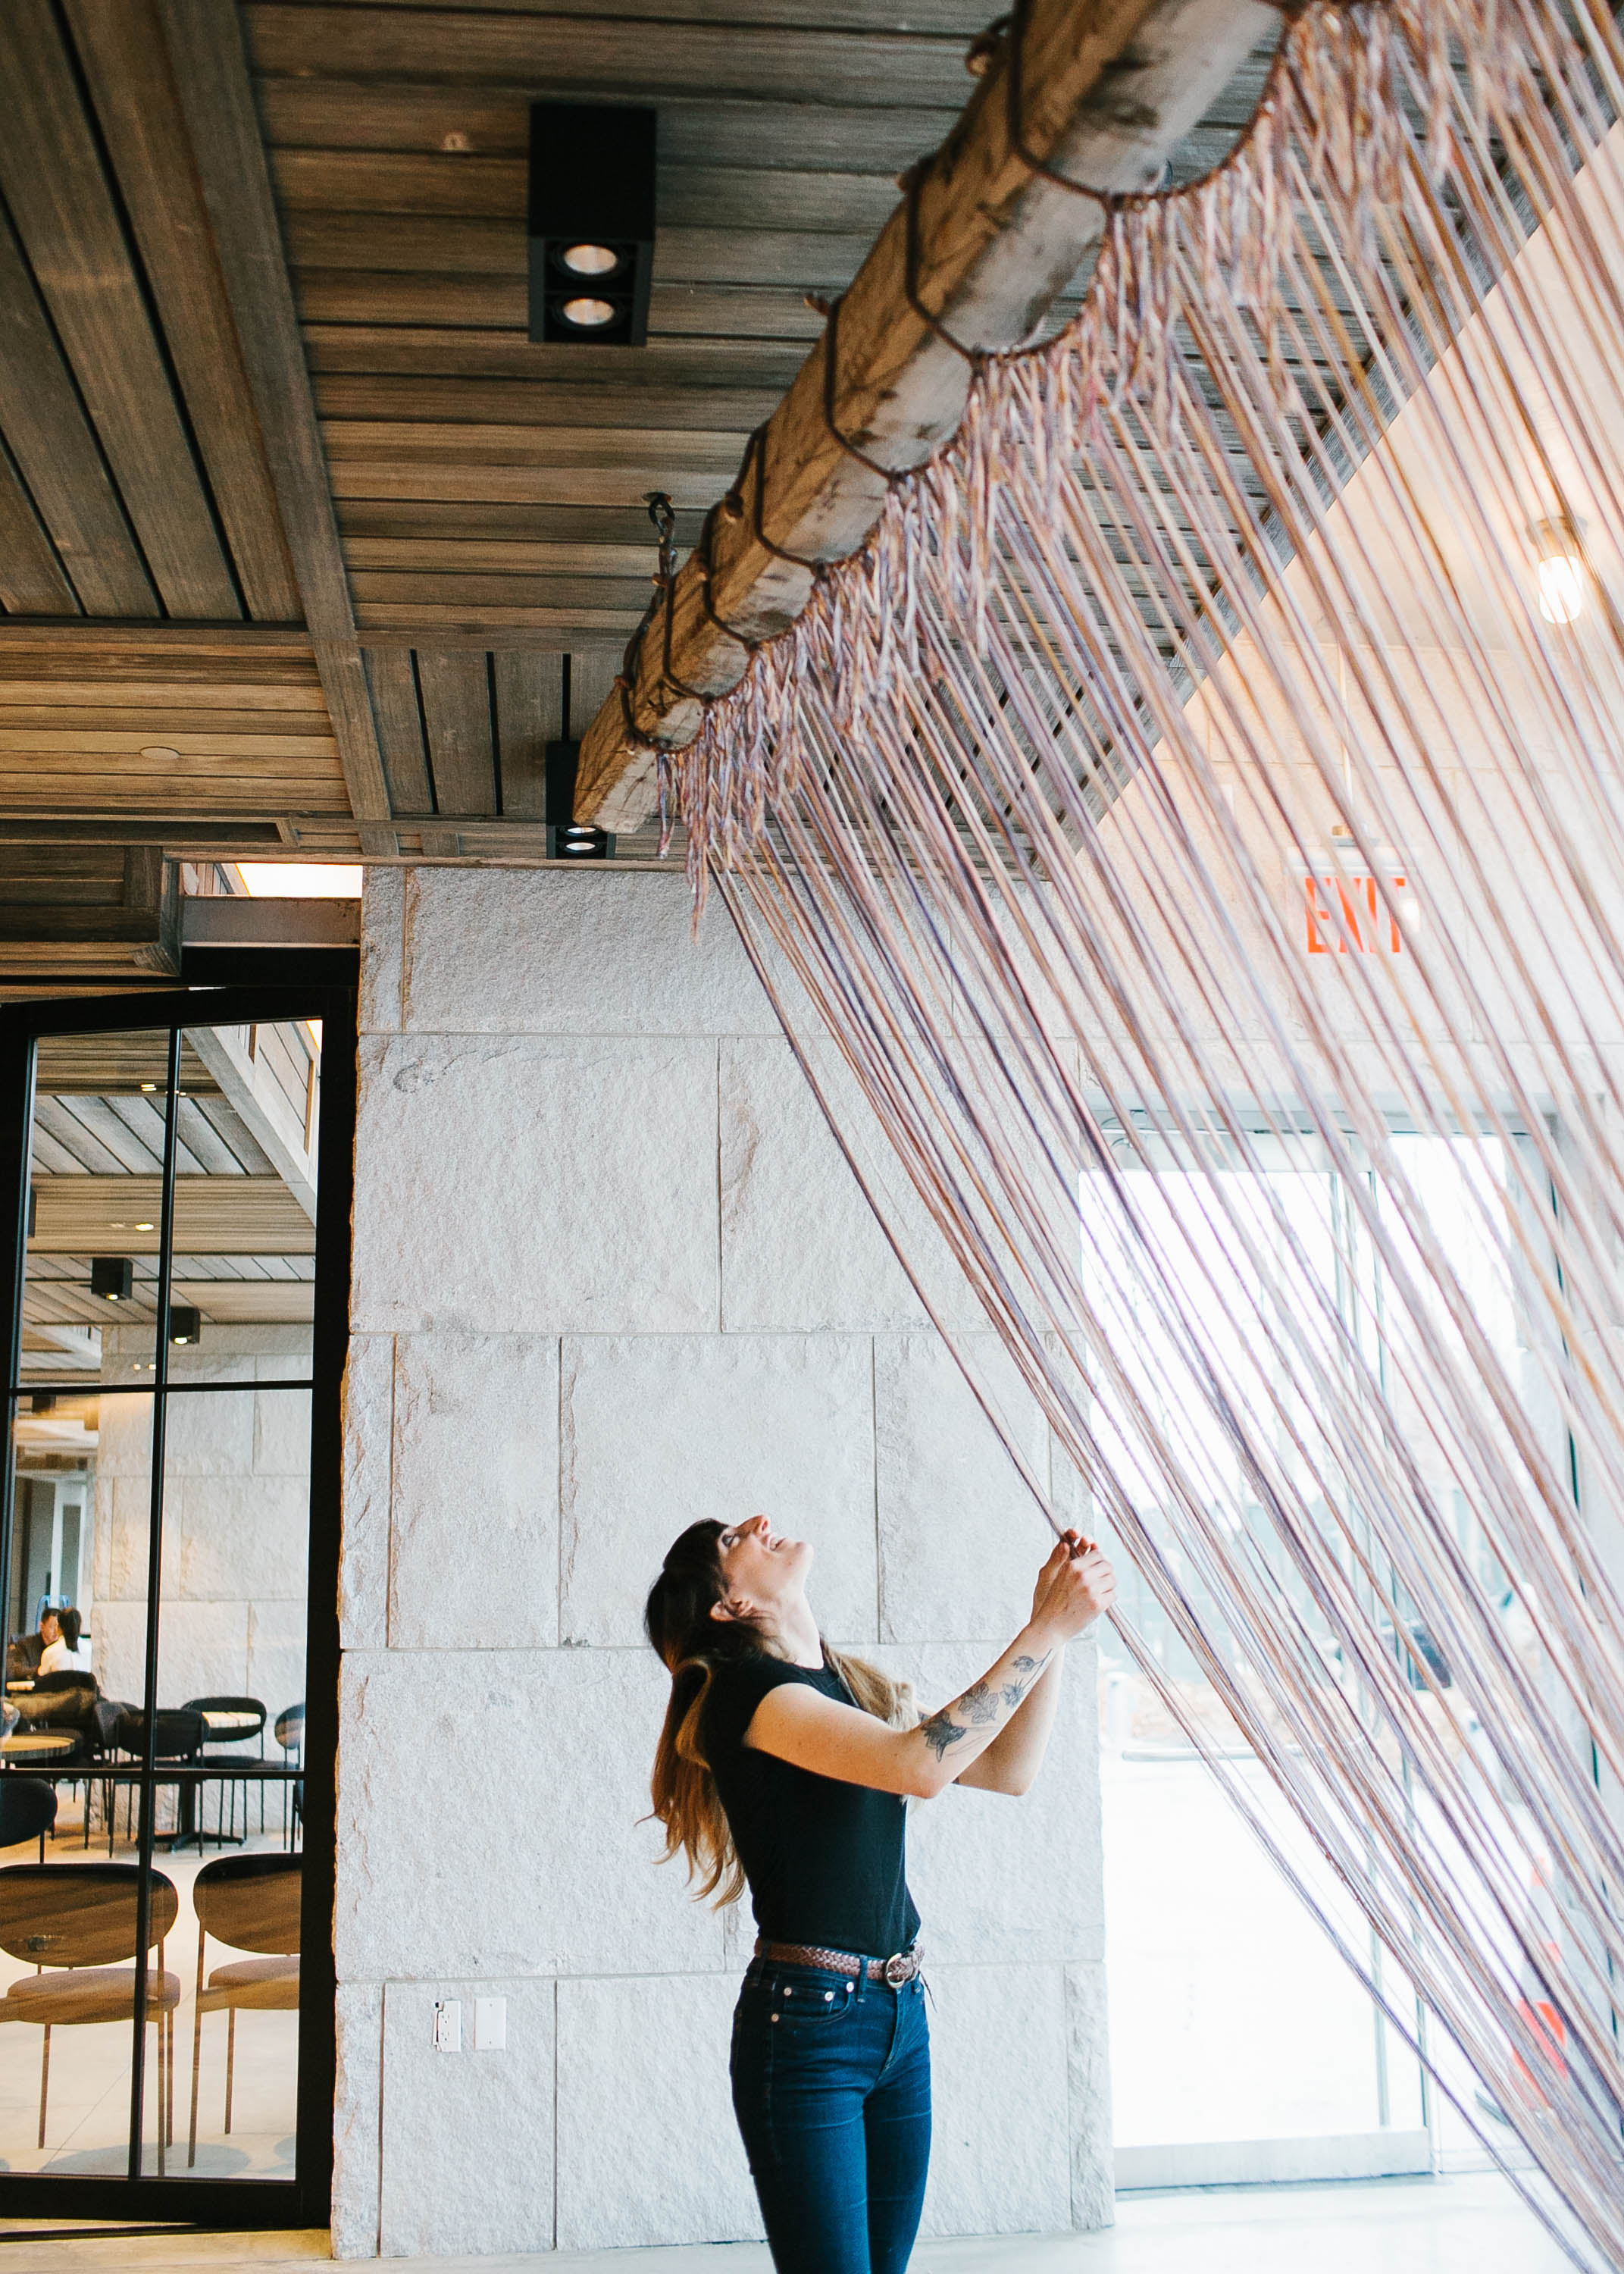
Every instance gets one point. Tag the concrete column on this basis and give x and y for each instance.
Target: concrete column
(610, 1273)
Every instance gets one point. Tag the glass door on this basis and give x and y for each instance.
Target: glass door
(176, 1192)
(1242, 2050)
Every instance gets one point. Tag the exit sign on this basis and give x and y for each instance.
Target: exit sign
(1351, 910)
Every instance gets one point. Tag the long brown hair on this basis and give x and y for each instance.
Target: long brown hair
(693, 1646)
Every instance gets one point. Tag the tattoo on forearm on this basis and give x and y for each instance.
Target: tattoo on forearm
(941, 1732)
(980, 1705)
(1028, 1669)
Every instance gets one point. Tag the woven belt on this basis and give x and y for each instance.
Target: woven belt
(901, 1967)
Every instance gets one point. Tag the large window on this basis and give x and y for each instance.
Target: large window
(175, 1341)
(1243, 2049)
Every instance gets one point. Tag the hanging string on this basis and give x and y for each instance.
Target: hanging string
(1186, 852)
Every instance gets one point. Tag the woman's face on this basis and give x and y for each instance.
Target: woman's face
(761, 1566)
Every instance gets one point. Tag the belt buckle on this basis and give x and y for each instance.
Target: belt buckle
(901, 1967)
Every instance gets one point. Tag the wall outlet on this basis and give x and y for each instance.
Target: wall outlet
(448, 2025)
(489, 2025)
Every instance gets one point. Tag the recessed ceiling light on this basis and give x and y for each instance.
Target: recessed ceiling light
(590, 313)
(141, 1227)
(589, 260)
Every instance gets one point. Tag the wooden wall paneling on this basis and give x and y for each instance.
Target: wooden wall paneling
(627, 59)
(58, 456)
(407, 588)
(394, 684)
(456, 712)
(530, 714)
(805, 259)
(65, 216)
(592, 674)
(493, 122)
(486, 444)
(202, 786)
(619, 529)
(152, 895)
(521, 487)
(121, 47)
(497, 555)
(204, 45)
(417, 350)
(448, 625)
(267, 653)
(412, 184)
(595, 402)
(87, 876)
(958, 20)
(32, 578)
(374, 297)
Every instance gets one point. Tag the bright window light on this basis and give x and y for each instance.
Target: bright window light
(301, 880)
(1561, 587)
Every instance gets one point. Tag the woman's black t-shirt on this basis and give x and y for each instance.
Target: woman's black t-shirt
(824, 1860)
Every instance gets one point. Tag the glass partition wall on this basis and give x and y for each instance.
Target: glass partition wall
(1242, 2050)
(170, 1554)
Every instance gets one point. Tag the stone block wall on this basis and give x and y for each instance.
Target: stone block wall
(611, 1275)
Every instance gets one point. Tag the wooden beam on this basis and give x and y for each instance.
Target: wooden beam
(210, 72)
(118, 632)
(164, 830)
(1108, 89)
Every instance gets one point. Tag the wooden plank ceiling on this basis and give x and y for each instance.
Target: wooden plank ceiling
(302, 545)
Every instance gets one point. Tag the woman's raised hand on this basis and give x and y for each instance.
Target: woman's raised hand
(1074, 1587)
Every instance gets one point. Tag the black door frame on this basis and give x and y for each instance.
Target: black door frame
(263, 989)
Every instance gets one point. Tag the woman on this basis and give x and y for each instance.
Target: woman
(788, 1766)
(59, 1631)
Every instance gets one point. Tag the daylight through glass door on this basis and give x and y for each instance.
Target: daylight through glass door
(152, 1795)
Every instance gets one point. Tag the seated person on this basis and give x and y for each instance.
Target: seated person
(60, 1631)
(22, 1657)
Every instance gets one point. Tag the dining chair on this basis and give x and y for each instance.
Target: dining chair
(289, 1729)
(248, 1902)
(27, 1806)
(77, 1922)
(177, 1736)
(248, 1715)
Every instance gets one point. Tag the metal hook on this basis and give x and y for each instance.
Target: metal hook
(663, 514)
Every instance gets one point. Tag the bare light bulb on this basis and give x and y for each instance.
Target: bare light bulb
(1561, 587)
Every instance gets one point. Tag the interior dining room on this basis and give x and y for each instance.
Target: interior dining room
(845, 763)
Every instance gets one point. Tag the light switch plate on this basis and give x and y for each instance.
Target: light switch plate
(489, 2025)
(448, 2025)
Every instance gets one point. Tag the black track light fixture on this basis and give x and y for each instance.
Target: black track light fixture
(111, 1278)
(591, 222)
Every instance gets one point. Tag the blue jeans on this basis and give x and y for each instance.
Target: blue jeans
(832, 2089)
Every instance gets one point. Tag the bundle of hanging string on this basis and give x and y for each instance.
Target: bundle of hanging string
(1203, 797)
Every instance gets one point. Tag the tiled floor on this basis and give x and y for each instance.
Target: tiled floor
(1449, 2227)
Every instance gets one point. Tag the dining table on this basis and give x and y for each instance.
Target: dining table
(25, 1748)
